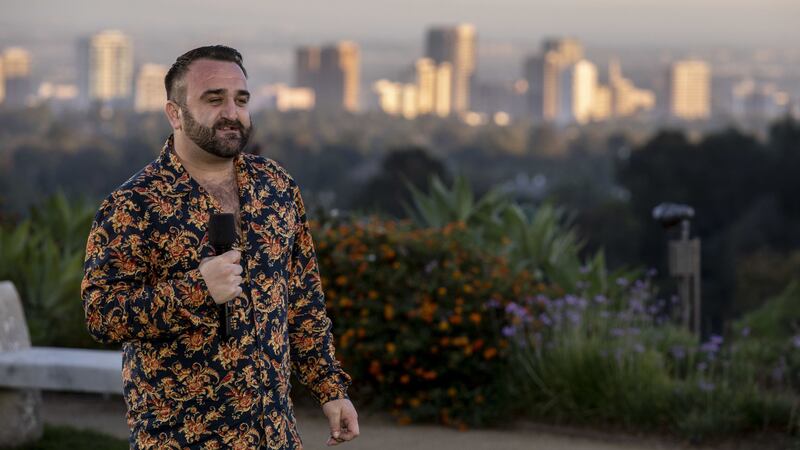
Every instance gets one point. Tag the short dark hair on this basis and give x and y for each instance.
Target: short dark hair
(181, 66)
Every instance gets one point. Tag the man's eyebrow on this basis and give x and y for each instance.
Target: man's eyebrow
(222, 91)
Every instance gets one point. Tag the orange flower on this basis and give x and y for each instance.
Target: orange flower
(490, 353)
(405, 379)
(341, 280)
(414, 402)
(388, 311)
(442, 291)
(475, 318)
(390, 347)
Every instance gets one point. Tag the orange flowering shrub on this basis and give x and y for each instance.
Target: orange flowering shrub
(417, 315)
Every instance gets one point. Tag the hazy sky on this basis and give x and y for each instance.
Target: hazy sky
(599, 22)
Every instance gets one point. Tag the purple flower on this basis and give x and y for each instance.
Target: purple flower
(492, 303)
(678, 352)
(651, 272)
(600, 298)
(633, 331)
(796, 341)
(584, 269)
(745, 331)
(574, 317)
(638, 348)
(430, 266)
(509, 331)
(570, 299)
(702, 366)
(705, 386)
(543, 300)
(545, 319)
(621, 281)
(617, 332)
(717, 339)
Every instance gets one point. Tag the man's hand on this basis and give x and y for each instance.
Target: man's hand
(343, 420)
(222, 275)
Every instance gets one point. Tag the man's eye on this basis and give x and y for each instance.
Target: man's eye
(215, 101)
(243, 100)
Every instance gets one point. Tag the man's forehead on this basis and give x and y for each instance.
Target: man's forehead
(204, 74)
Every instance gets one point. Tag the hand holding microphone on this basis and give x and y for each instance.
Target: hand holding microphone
(222, 273)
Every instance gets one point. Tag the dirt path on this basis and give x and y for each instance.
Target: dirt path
(108, 415)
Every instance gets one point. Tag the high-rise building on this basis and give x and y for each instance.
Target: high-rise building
(284, 98)
(151, 95)
(110, 67)
(457, 46)
(306, 67)
(17, 74)
(578, 86)
(627, 99)
(545, 74)
(433, 92)
(333, 72)
(690, 89)
(444, 87)
(426, 85)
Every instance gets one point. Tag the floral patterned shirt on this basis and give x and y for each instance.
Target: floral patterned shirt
(183, 385)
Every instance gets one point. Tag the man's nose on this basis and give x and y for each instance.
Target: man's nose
(229, 109)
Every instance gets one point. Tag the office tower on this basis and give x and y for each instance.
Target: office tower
(333, 73)
(433, 90)
(578, 86)
(390, 96)
(17, 74)
(545, 74)
(151, 95)
(306, 67)
(455, 45)
(602, 108)
(426, 85)
(110, 67)
(689, 89)
(627, 99)
(444, 88)
(284, 98)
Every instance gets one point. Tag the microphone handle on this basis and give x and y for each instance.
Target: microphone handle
(226, 309)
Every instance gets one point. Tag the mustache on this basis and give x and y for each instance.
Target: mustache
(222, 123)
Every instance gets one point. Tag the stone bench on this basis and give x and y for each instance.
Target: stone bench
(26, 370)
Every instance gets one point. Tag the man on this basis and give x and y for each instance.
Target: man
(153, 282)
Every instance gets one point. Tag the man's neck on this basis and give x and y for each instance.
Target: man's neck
(200, 164)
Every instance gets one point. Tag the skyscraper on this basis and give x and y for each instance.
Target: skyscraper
(626, 98)
(17, 74)
(690, 89)
(545, 75)
(433, 91)
(306, 67)
(578, 87)
(455, 45)
(333, 72)
(110, 67)
(151, 95)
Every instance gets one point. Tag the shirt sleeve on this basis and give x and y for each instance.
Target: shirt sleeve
(118, 303)
(310, 337)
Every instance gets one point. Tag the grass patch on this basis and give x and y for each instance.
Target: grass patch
(58, 438)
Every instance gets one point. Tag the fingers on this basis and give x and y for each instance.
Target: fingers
(232, 256)
(350, 426)
(344, 426)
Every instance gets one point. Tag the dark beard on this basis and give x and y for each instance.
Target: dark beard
(206, 137)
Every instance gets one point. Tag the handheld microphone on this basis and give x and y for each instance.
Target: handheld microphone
(222, 236)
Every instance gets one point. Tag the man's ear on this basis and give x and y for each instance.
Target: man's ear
(173, 112)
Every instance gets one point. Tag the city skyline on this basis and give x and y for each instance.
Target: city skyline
(612, 22)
